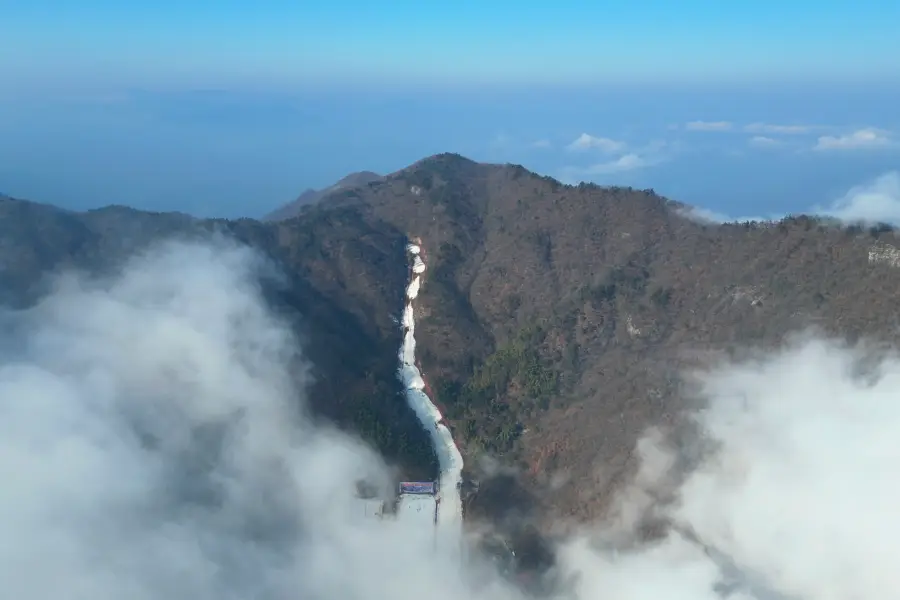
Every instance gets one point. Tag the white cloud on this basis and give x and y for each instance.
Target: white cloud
(778, 129)
(703, 215)
(623, 164)
(626, 162)
(798, 430)
(589, 142)
(541, 144)
(764, 142)
(707, 216)
(793, 495)
(648, 155)
(858, 140)
(761, 128)
(877, 201)
(153, 445)
(708, 126)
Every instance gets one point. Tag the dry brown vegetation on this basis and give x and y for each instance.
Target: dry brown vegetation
(555, 322)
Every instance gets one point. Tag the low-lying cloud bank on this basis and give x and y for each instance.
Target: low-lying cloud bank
(153, 445)
(796, 497)
(877, 201)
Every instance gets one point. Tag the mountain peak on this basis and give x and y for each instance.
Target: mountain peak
(443, 160)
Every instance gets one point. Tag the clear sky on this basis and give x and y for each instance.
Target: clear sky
(524, 41)
(234, 107)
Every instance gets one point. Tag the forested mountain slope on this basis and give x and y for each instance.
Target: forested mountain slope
(555, 322)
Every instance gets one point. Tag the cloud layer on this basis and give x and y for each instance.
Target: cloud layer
(758, 128)
(877, 201)
(797, 495)
(708, 126)
(610, 160)
(617, 157)
(153, 444)
(762, 141)
(874, 202)
(776, 129)
(766, 135)
(588, 142)
(861, 139)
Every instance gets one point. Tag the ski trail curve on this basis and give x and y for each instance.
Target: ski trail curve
(450, 460)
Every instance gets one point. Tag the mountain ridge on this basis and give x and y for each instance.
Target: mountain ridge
(556, 321)
(310, 196)
(610, 284)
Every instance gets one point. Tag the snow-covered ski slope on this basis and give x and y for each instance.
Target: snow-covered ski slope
(449, 519)
(417, 508)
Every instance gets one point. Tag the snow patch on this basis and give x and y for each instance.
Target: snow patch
(408, 318)
(882, 253)
(418, 264)
(420, 508)
(630, 327)
(412, 291)
(749, 293)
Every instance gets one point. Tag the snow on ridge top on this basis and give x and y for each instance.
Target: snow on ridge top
(413, 248)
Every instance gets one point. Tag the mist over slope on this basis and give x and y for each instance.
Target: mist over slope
(151, 446)
(794, 496)
(338, 279)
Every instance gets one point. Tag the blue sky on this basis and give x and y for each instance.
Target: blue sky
(231, 108)
(467, 41)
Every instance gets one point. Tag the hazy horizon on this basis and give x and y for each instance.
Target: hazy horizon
(234, 109)
(231, 154)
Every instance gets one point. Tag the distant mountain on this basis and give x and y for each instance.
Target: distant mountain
(554, 321)
(310, 196)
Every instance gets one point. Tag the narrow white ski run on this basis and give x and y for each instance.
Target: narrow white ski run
(449, 511)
